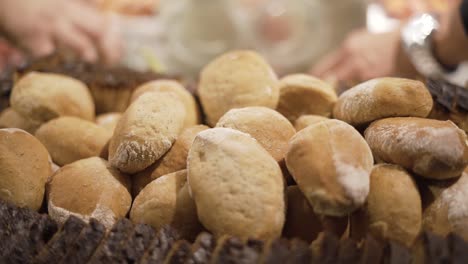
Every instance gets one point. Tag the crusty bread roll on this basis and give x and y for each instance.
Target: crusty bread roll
(236, 184)
(174, 160)
(430, 148)
(331, 164)
(146, 131)
(383, 97)
(234, 80)
(302, 94)
(69, 139)
(45, 96)
(448, 212)
(166, 201)
(192, 112)
(9, 118)
(108, 121)
(268, 127)
(307, 120)
(24, 168)
(393, 210)
(89, 188)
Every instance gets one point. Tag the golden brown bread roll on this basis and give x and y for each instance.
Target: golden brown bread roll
(9, 118)
(192, 112)
(234, 80)
(331, 163)
(24, 168)
(146, 131)
(174, 160)
(89, 188)
(268, 127)
(307, 120)
(430, 148)
(166, 201)
(393, 210)
(302, 94)
(45, 96)
(381, 98)
(236, 184)
(108, 121)
(69, 139)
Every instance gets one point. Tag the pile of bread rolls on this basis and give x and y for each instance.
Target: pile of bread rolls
(366, 161)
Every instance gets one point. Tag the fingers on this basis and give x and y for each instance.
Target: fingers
(110, 44)
(40, 45)
(70, 36)
(328, 63)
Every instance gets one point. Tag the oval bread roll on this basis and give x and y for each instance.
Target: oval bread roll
(307, 120)
(302, 94)
(192, 113)
(24, 168)
(69, 139)
(331, 163)
(108, 121)
(381, 98)
(45, 96)
(174, 160)
(234, 80)
(236, 184)
(146, 131)
(166, 201)
(89, 188)
(268, 127)
(9, 118)
(430, 148)
(393, 209)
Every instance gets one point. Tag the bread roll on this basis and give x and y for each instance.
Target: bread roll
(9, 118)
(146, 131)
(307, 120)
(268, 127)
(234, 80)
(174, 160)
(331, 163)
(108, 121)
(302, 94)
(192, 113)
(236, 184)
(448, 212)
(69, 139)
(166, 201)
(45, 96)
(393, 209)
(430, 148)
(24, 168)
(89, 188)
(383, 97)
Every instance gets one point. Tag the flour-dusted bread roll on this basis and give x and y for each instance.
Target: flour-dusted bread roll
(9, 118)
(45, 96)
(236, 184)
(331, 163)
(192, 112)
(24, 168)
(108, 121)
(381, 98)
(307, 120)
(302, 94)
(234, 80)
(393, 210)
(174, 160)
(268, 127)
(448, 212)
(69, 139)
(166, 201)
(430, 148)
(89, 188)
(146, 131)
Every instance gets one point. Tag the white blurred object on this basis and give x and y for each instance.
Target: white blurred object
(378, 21)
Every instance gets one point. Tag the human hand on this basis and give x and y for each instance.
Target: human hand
(39, 27)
